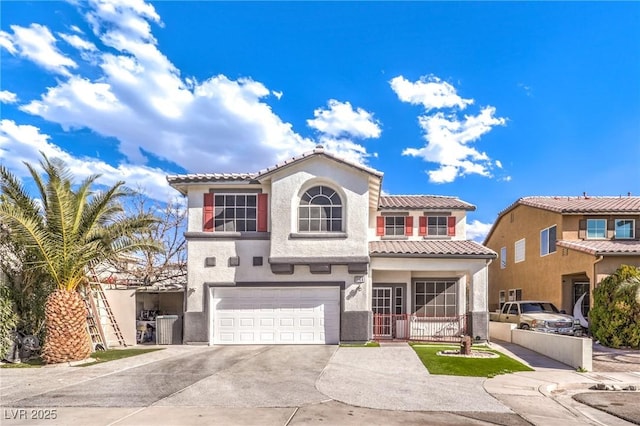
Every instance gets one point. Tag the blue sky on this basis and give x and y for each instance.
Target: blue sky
(487, 101)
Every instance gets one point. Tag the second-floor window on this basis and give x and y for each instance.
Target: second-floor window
(548, 241)
(320, 210)
(519, 250)
(437, 226)
(235, 212)
(624, 228)
(394, 225)
(503, 258)
(596, 228)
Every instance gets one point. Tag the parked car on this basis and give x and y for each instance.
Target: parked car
(538, 316)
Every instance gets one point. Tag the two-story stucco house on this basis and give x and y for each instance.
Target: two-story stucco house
(308, 251)
(559, 248)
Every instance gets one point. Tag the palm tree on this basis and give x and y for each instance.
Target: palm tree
(69, 229)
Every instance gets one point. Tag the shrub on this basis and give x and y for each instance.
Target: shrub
(615, 316)
(8, 320)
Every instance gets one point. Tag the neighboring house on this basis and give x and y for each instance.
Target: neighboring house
(308, 251)
(559, 248)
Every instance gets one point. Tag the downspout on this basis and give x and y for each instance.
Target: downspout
(598, 260)
(486, 296)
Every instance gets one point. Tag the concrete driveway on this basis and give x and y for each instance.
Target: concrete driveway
(221, 376)
(241, 385)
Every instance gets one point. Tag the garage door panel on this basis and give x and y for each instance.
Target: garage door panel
(276, 315)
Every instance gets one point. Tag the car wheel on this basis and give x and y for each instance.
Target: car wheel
(524, 326)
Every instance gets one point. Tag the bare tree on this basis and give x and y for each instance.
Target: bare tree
(165, 267)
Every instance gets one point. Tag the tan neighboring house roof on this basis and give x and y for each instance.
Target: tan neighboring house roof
(603, 248)
(432, 202)
(430, 248)
(568, 205)
(581, 205)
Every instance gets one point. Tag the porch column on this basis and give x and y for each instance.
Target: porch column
(478, 304)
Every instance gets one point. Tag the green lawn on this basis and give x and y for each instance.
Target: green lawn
(35, 362)
(99, 356)
(360, 345)
(458, 366)
(113, 354)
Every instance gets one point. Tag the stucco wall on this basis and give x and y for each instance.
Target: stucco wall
(288, 186)
(539, 277)
(460, 215)
(123, 306)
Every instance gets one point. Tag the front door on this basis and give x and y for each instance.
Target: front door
(382, 306)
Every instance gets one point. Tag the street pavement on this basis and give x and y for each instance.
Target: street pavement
(294, 385)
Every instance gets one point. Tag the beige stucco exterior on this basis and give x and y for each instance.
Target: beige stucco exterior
(552, 276)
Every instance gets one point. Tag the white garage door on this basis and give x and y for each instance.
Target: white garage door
(292, 315)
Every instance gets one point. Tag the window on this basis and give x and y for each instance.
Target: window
(320, 210)
(515, 294)
(548, 241)
(435, 298)
(503, 257)
(394, 225)
(502, 298)
(624, 228)
(519, 250)
(596, 228)
(399, 302)
(235, 212)
(437, 226)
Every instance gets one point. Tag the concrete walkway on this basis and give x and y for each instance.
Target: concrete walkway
(394, 378)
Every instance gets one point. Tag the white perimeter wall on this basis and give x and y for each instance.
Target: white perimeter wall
(576, 352)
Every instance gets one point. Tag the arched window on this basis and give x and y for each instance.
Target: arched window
(320, 210)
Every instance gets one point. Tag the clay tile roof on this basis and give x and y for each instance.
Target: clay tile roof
(581, 205)
(423, 202)
(430, 248)
(319, 150)
(210, 177)
(217, 177)
(605, 247)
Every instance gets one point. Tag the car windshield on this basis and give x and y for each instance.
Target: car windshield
(539, 307)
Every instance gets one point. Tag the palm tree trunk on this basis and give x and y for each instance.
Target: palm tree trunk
(67, 338)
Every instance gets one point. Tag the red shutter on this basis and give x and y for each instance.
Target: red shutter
(451, 226)
(379, 225)
(207, 213)
(408, 225)
(422, 225)
(263, 205)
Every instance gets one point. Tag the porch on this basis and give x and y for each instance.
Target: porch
(417, 327)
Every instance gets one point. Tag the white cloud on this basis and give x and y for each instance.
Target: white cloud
(78, 42)
(340, 119)
(23, 143)
(7, 97)
(428, 91)
(277, 94)
(137, 95)
(448, 137)
(37, 44)
(6, 41)
(477, 230)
